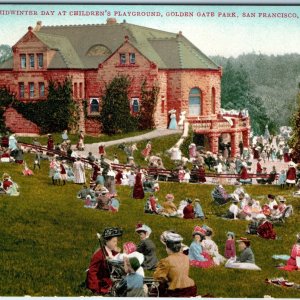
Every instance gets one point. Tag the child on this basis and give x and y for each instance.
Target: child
(181, 174)
(129, 251)
(27, 171)
(63, 173)
(230, 246)
(134, 281)
(146, 247)
(198, 210)
(56, 176)
(282, 179)
(37, 160)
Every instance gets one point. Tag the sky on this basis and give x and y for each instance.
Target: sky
(215, 30)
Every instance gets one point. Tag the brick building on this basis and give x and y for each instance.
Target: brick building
(92, 55)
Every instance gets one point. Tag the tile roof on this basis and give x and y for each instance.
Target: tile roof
(73, 43)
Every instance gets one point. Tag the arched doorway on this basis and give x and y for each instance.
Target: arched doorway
(195, 102)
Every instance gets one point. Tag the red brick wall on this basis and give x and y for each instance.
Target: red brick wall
(18, 124)
(92, 126)
(180, 82)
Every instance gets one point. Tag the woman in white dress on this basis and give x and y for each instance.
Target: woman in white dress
(79, 172)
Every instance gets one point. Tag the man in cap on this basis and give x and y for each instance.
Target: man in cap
(98, 275)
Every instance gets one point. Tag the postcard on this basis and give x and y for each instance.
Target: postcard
(149, 150)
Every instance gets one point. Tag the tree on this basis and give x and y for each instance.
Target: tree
(6, 98)
(115, 113)
(237, 93)
(295, 138)
(148, 105)
(5, 53)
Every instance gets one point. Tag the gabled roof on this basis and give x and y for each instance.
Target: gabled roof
(167, 50)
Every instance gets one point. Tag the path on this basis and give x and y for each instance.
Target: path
(147, 136)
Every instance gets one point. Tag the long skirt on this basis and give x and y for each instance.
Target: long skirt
(203, 264)
(138, 192)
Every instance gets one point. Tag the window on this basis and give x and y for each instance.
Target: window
(31, 61)
(42, 89)
(122, 58)
(23, 61)
(80, 90)
(75, 90)
(40, 60)
(21, 90)
(213, 100)
(135, 105)
(31, 89)
(94, 104)
(132, 58)
(195, 102)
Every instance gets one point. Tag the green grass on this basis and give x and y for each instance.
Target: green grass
(89, 139)
(47, 238)
(159, 147)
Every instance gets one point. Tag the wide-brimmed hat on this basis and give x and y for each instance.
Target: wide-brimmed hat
(111, 232)
(199, 230)
(189, 200)
(281, 199)
(170, 236)
(242, 240)
(142, 227)
(292, 164)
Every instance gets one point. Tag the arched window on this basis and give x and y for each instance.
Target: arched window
(94, 105)
(195, 102)
(213, 100)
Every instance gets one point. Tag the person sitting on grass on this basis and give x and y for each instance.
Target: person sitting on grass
(293, 262)
(198, 210)
(134, 281)
(84, 192)
(98, 275)
(114, 203)
(103, 200)
(198, 257)
(188, 211)
(246, 259)
(152, 205)
(211, 247)
(182, 205)
(230, 251)
(146, 247)
(169, 208)
(26, 170)
(173, 271)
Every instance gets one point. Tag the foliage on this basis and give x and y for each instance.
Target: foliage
(274, 80)
(57, 113)
(295, 138)
(47, 238)
(5, 53)
(148, 106)
(187, 141)
(237, 93)
(6, 99)
(115, 113)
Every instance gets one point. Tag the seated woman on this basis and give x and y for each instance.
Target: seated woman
(146, 247)
(182, 205)
(114, 204)
(169, 208)
(188, 211)
(211, 247)
(293, 262)
(98, 276)
(198, 257)
(148, 185)
(173, 271)
(152, 206)
(198, 210)
(26, 170)
(246, 259)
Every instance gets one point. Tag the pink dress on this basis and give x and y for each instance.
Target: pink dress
(230, 249)
(292, 263)
(147, 150)
(181, 174)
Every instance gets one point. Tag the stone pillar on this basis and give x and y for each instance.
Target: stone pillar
(246, 136)
(234, 144)
(214, 142)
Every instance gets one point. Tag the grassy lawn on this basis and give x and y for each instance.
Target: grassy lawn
(89, 139)
(47, 238)
(159, 147)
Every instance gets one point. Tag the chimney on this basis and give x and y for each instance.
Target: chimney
(30, 28)
(179, 33)
(111, 21)
(38, 26)
(126, 37)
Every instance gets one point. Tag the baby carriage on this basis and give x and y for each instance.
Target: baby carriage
(220, 196)
(119, 283)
